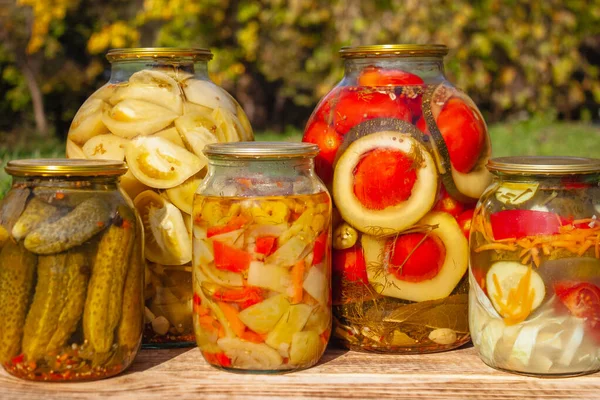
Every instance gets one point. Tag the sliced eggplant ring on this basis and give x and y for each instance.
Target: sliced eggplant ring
(386, 217)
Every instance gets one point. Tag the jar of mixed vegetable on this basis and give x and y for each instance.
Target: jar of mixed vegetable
(262, 260)
(71, 271)
(404, 154)
(534, 300)
(157, 113)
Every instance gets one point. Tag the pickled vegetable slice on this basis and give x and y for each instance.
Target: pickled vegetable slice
(262, 317)
(197, 130)
(441, 285)
(166, 237)
(408, 205)
(105, 147)
(291, 322)
(207, 94)
(88, 121)
(515, 290)
(269, 276)
(158, 163)
(153, 86)
(515, 193)
(250, 356)
(130, 118)
(182, 195)
(305, 348)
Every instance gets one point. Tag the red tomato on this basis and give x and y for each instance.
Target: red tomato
(463, 132)
(520, 223)
(464, 220)
(448, 204)
(414, 104)
(328, 141)
(375, 76)
(422, 125)
(582, 299)
(415, 257)
(324, 110)
(355, 106)
(350, 264)
(383, 178)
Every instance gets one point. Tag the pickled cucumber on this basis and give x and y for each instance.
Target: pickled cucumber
(87, 219)
(48, 302)
(36, 213)
(130, 326)
(17, 270)
(103, 303)
(12, 206)
(77, 278)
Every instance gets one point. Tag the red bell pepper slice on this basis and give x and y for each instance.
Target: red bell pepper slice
(320, 248)
(521, 223)
(265, 244)
(229, 258)
(234, 223)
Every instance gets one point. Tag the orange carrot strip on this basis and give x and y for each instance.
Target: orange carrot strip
(495, 246)
(297, 281)
(251, 336)
(232, 315)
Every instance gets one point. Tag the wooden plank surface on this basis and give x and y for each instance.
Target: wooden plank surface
(183, 374)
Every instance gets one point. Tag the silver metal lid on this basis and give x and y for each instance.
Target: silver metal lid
(261, 150)
(543, 165)
(65, 167)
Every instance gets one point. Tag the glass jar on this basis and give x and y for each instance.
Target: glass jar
(404, 154)
(157, 112)
(534, 299)
(262, 265)
(71, 271)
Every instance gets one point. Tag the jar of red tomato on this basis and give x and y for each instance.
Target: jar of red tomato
(534, 300)
(403, 152)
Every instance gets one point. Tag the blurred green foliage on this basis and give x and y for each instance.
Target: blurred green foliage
(279, 57)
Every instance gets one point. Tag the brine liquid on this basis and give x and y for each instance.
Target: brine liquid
(262, 280)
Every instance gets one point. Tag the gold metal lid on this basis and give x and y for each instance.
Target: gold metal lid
(394, 50)
(159, 52)
(256, 150)
(65, 167)
(543, 165)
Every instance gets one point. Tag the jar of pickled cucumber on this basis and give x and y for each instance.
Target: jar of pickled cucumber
(262, 260)
(403, 152)
(71, 271)
(157, 113)
(534, 299)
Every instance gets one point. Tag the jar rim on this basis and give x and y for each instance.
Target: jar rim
(65, 167)
(546, 165)
(257, 150)
(200, 54)
(392, 50)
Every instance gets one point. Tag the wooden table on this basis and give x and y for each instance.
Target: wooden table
(183, 374)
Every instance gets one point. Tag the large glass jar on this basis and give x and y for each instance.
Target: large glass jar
(71, 271)
(262, 265)
(404, 154)
(157, 112)
(534, 300)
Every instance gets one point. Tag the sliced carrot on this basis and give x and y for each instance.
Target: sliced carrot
(229, 258)
(239, 295)
(297, 281)
(210, 324)
(251, 336)
(232, 315)
(234, 223)
(265, 244)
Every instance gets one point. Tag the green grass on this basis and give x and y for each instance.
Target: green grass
(537, 136)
